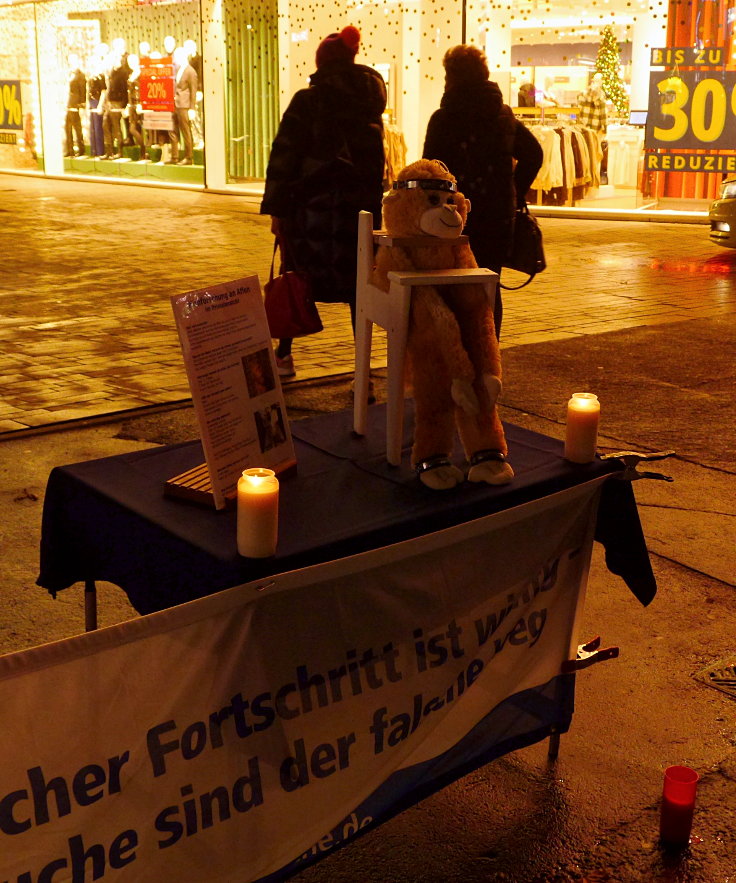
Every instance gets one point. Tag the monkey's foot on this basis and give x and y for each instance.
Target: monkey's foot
(438, 473)
(491, 467)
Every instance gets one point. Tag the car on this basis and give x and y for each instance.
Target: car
(722, 215)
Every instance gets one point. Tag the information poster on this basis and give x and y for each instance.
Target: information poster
(232, 376)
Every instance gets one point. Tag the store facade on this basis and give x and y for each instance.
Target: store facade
(103, 88)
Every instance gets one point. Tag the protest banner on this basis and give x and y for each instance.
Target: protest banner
(247, 733)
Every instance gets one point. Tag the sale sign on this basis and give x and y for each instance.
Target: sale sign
(693, 109)
(11, 112)
(157, 84)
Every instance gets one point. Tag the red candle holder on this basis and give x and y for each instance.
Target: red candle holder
(678, 806)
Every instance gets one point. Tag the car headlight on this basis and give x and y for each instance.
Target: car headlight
(728, 190)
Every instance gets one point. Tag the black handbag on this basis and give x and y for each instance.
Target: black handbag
(290, 307)
(526, 254)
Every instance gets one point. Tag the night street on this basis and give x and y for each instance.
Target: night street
(641, 313)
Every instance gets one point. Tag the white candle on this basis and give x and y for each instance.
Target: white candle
(581, 432)
(258, 513)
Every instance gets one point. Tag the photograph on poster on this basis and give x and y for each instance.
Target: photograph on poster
(259, 373)
(271, 428)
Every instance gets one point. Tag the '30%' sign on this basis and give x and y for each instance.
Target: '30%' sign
(692, 109)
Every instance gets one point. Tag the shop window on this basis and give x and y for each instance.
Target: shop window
(252, 86)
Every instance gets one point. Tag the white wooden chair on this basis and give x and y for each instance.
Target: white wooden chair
(390, 310)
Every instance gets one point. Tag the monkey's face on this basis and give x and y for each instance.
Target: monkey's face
(444, 214)
(412, 212)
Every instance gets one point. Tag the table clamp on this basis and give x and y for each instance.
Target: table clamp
(588, 654)
(631, 459)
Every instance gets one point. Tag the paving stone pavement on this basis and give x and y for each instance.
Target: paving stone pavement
(86, 327)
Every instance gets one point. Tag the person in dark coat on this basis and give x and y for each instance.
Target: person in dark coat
(494, 157)
(326, 164)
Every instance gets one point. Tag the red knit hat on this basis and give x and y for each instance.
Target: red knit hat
(339, 47)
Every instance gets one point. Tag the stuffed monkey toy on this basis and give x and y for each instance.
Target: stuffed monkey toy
(453, 355)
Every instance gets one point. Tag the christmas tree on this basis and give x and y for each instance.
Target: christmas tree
(608, 64)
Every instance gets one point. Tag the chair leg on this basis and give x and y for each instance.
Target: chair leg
(396, 359)
(363, 342)
(394, 407)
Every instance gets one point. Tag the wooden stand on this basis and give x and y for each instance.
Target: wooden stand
(380, 237)
(194, 485)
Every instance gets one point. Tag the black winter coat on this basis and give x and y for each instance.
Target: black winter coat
(478, 138)
(326, 164)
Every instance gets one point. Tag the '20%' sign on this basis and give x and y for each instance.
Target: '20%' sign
(692, 109)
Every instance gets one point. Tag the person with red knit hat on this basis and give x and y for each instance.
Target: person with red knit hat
(326, 164)
(336, 47)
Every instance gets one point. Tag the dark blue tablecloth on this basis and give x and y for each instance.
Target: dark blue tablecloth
(109, 519)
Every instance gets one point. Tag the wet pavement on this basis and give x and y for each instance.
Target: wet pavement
(644, 314)
(86, 327)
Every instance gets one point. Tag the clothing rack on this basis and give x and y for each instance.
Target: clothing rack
(394, 147)
(572, 159)
(545, 114)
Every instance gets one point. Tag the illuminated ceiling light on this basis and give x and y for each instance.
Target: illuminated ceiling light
(569, 21)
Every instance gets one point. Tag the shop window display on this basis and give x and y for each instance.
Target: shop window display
(542, 53)
(20, 109)
(83, 102)
(253, 63)
(558, 72)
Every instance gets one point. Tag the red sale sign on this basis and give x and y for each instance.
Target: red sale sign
(157, 84)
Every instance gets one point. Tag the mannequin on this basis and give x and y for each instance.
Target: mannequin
(185, 101)
(76, 102)
(593, 116)
(593, 106)
(134, 111)
(116, 100)
(96, 85)
(195, 59)
(169, 46)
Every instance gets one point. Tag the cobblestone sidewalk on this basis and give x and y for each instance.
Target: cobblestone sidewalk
(86, 327)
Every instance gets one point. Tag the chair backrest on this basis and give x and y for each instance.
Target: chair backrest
(365, 247)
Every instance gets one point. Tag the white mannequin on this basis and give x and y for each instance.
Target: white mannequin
(596, 85)
(116, 99)
(118, 48)
(135, 67)
(98, 62)
(181, 62)
(97, 68)
(133, 112)
(76, 103)
(190, 50)
(185, 90)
